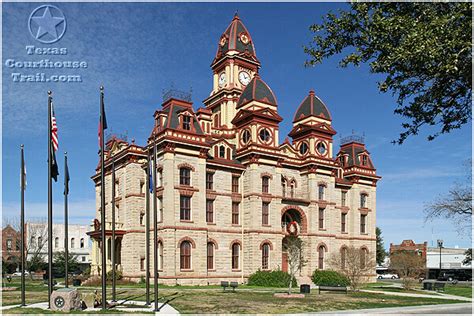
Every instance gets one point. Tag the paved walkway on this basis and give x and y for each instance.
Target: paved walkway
(462, 308)
(438, 296)
(140, 307)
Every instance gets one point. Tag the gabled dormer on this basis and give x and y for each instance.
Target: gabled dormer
(222, 149)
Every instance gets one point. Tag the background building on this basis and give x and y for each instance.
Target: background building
(229, 193)
(11, 242)
(78, 240)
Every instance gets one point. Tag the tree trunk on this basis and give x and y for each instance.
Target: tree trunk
(291, 283)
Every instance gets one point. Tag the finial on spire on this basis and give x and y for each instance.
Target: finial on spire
(311, 92)
(101, 88)
(50, 92)
(236, 14)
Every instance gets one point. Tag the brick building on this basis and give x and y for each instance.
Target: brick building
(11, 242)
(409, 245)
(228, 191)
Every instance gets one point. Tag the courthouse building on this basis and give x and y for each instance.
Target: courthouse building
(228, 192)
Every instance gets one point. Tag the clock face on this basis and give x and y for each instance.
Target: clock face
(59, 302)
(244, 78)
(222, 79)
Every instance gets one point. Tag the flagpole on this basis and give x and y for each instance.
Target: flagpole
(147, 230)
(155, 225)
(102, 203)
(22, 228)
(113, 230)
(50, 206)
(66, 237)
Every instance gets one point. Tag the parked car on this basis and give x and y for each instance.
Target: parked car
(392, 276)
(18, 273)
(451, 276)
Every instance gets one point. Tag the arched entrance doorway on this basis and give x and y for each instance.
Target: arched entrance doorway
(293, 222)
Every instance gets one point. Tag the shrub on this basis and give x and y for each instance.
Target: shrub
(276, 278)
(329, 278)
(118, 275)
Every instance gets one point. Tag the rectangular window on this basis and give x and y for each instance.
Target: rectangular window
(186, 122)
(210, 256)
(142, 264)
(265, 183)
(9, 244)
(321, 218)
(142, 187)
(343, 222)
(185, 208)
(235, 213)
(321, 192)
(235, 184)
(209, 181)
(184, 176)
(363, 201)
(142, 219)
(160, 209)
(343, 198)
(159, 181)
(265, 206)
(363, 219)
(209, 211)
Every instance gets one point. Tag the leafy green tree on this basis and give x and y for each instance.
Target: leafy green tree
(59, 260)
(381, 253)
(424, 49)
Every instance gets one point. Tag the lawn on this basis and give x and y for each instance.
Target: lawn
(246, 299)
(460, 290)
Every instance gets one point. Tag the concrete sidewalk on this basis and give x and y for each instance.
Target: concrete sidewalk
(460, 309)
(438, 296)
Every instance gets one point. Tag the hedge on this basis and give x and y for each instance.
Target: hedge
(329, 278)
(276, 278)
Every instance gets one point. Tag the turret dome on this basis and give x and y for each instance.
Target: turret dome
(312, 106)
(236, 39)
(257, 90)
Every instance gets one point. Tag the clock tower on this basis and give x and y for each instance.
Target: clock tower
(233, 67)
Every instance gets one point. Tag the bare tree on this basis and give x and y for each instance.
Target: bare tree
(355, 264)
(456, 205)
(294, 247)
(409, 265)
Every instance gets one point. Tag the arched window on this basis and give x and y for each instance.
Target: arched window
(265, 256)
(81, 243)
(283, 187)
(184, 176)
(235, 256)
(343, 258)
(321, 250)
(33, 241)
(292, 189)
(363, 258)
(185, 255)
(56, 242)
(160, 255)
(210, 256)
(72, 243)
(221, 151)
(40, 241)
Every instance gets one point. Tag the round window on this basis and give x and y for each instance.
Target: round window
(304, 148)
(264, 135)
(246, 136)
(321, 148)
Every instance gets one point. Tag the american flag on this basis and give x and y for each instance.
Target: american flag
(54, 130)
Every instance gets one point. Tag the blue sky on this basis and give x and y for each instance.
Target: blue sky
(137, 50)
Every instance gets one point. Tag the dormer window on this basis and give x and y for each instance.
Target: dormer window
(187, 122)
(342, 161)
(364, 160)
(221, 152)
